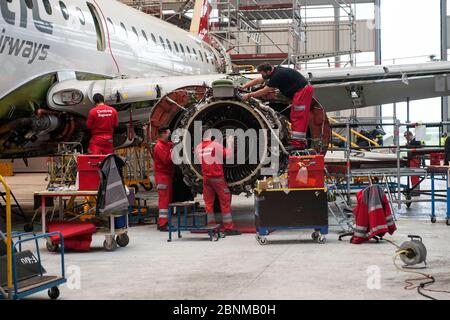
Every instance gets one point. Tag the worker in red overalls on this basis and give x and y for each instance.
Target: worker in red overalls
(102, 121)
(211, 154)
(292, 85)
(164, 170)
(413, 161)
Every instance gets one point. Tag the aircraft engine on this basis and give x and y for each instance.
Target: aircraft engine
(259, 131)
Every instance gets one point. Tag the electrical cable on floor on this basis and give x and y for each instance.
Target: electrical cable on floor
(410, 285)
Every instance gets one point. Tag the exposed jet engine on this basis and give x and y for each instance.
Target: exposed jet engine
(261, 133)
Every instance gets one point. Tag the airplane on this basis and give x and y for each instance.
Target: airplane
(55, 55)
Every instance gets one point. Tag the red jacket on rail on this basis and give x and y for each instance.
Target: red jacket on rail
(372, 214)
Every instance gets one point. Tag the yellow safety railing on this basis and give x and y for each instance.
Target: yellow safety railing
(344, 139)
(356, 133)
(9, 278)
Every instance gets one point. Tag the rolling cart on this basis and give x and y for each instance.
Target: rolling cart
(187, 210)
(27, 276)
(291, 209)
(21, 272)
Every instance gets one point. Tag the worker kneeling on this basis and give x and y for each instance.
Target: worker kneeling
(102, 120)
(211, 153)
(164, 170)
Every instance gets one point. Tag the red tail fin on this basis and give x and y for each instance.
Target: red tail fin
(200, 19)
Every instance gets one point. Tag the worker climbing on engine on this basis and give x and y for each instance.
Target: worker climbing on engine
(102, 121)
(294, 86)
(164, 170)
(211, 154)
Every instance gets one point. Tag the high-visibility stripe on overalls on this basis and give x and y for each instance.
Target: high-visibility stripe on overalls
(301, 106)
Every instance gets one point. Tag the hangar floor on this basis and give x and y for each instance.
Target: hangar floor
(292, 267)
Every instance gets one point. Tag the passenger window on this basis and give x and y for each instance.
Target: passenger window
(162, 42)
(182, 49)
(98, 27)
(48, 7)
(111, 27)
(189, 51)
(145, 36)
(124, 29)
(168, 44)
(200, 53)
(153, 38)
(195, 53)
(176, 46)
(136, 36)
(64, 10)
(81, 16)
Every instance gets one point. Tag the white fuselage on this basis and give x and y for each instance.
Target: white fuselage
(43, 38)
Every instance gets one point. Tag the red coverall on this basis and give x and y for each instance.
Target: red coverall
(102, 120)
(211, 155)
(301, 105)
(164, 171)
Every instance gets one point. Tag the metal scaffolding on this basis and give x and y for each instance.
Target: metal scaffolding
(280, 32)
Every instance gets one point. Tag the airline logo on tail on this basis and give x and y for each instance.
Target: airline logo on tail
(200, 19)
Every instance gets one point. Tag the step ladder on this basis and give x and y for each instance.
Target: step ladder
(337, 204)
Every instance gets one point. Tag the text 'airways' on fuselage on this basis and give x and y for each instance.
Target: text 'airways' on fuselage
(12, 46)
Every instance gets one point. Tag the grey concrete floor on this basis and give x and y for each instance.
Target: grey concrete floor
(291, 266)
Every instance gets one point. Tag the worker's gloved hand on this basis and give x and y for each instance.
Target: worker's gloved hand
(247, 96)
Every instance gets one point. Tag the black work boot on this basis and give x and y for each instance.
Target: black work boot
(232, 232)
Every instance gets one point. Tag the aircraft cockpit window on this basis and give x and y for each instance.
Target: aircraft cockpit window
(189, 51)
(162, 42)
(195, 53)
(168, 44)
(29, 4)
(98, 27)
(48, 7)
(64, 10)
(182, 49)
(111, 27)
(81, 16)
(200, 54)
(153, 38)
(176, 47)
(145, 36)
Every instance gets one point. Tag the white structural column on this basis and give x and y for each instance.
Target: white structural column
(444, 56)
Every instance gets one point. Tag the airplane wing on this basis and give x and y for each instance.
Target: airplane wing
(336, 89)
(340, 89)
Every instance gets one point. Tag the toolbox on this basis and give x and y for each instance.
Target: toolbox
(302, 209)
(306, 172)
(436, 158)
(88, 171)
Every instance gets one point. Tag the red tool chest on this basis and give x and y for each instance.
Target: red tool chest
(436, 158)
(306, 172)
(88, 171)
